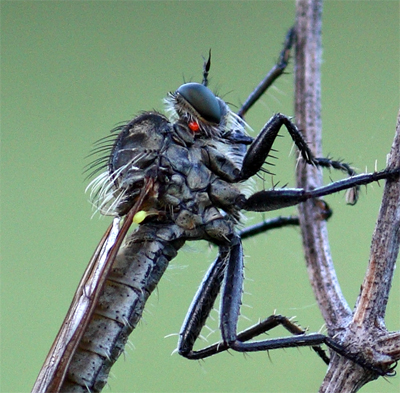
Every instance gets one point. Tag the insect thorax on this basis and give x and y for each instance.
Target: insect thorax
(194, 171)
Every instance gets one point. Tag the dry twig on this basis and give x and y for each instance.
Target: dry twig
(362, 331)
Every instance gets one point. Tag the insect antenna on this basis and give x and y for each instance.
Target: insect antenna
(206, 68)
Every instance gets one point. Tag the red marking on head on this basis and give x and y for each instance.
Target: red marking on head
(194, 126)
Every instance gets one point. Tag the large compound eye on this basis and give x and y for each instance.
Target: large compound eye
(203, 100)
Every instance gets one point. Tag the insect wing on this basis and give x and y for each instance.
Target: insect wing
(54, 369)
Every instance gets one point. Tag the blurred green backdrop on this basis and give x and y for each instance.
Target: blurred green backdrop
(72, 70)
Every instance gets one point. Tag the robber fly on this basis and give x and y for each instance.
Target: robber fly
(179, 177)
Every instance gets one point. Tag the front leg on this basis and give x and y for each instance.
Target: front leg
(260, 149)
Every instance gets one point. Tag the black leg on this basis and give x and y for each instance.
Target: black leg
(230, 309)
(276, 199)
(262, 327)
(202, 305)
(281, 222)
(209, 288)
(272, 75)
(264, 226)
(228, 267)
(262, 146)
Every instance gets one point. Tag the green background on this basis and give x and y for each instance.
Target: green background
(72, 70)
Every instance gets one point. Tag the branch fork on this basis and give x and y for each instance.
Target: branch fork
(361, 331)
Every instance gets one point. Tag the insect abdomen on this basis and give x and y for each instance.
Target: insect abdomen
(134, 275)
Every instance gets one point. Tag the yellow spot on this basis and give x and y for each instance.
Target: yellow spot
(139, 217)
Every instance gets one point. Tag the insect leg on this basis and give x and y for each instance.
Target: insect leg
(230, 308)
(260, 328)
(202, 305)
(264, 226)
(272, 75)
(325, 213)
(209, 289)
(229, 267)
(262, 145)
(276, 199)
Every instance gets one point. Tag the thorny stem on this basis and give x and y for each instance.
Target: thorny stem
(363, 332)
(308, 108)
(371, 304)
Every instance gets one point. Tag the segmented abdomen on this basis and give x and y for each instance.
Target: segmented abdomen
(134, 275)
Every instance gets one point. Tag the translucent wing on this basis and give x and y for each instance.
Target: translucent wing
(57, 361)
